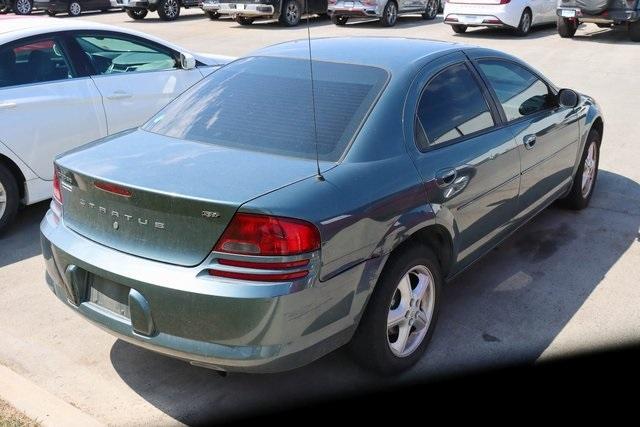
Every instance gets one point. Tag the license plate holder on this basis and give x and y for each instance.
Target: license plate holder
(110, 296)
(568, 13)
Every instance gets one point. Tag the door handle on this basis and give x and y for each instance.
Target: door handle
(119, 94)
(529, 141)
(446, 177)
(7, 105)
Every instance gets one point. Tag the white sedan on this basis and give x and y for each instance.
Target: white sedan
(63, 84)
(520, 15)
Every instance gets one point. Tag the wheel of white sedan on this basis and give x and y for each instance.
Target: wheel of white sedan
(75, 9)
(524, 27)
(9, 197)
(401, 314)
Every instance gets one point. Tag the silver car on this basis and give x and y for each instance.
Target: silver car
(386, 11)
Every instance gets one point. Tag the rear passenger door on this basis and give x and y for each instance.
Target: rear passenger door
(47, 106)
(136, 77)
(469, 163)
(546, 134)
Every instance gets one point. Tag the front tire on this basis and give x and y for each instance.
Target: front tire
(585, 179)
(524, 27)
(213, 15)
(22, 7)
(389, 14)
(9, 197)
(567, 27)
(75, 9)
(431, 11)
(401, 315)
(137, 14)
(169, 10)
(291, 13)
(339, 20)
(459, 29)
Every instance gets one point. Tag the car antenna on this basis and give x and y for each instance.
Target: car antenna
(313, 98)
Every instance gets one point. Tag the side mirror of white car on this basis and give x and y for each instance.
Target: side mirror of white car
(187, 61)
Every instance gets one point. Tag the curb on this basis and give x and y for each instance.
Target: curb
(40, 405)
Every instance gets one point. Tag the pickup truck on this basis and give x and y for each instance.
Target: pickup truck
(603, 13)
(288, 12)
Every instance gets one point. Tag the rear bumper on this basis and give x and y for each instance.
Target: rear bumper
(244, 9)
(610, 16)
(488, 15)
(219, 323)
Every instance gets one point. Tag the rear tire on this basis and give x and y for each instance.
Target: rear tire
(137, 14)
(459, 29)
(339, 20)
(9, 197)
(524, 27)
(567, 27)
(431, 11)
(578, 198)
(389, 14)
(243, 20)
(168, 10)
(634, 31)
(75, 9)
(376, 343)
(291, 13)
(213, 15)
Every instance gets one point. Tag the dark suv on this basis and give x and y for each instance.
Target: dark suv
(603, 13)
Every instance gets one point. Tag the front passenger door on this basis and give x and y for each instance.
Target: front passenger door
(136, 77)
(469, 164)
(547, 135)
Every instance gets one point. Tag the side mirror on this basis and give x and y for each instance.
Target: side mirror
(187, 61)
(568, 98)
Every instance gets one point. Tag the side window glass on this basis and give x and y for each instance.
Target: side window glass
(519, 91)
(36, 62)
(451, 106)
(112, 55)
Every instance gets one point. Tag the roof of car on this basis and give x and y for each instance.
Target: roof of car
(391, 53)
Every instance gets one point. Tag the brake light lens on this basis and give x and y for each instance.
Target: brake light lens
(251, 234)
(261, 277)
(57, 194)
(505, 1)
(112, 188)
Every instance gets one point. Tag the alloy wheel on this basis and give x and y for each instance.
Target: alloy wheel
(589, 169)
(525, 25)
(3, 200)
(392, 14)
(432, 8)
(23, 7)
(410, 311)
(75, 9)
(171, 8)
(292, 13)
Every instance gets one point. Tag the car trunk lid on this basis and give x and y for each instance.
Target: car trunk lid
(163, 198)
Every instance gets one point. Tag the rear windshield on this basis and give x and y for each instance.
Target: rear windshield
(265, 104)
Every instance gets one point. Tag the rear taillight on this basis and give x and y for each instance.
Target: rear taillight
(257, 236)
(505, 1)
(57, 194)
(250, 234)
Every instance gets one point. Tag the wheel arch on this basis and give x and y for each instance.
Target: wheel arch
(16, 172)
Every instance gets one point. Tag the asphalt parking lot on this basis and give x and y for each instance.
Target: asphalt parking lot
(565, 283)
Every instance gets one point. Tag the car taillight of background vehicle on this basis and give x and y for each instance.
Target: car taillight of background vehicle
(57, 194)
(263, 235)
(505, 1)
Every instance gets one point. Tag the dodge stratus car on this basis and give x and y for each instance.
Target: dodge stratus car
(260, 245)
